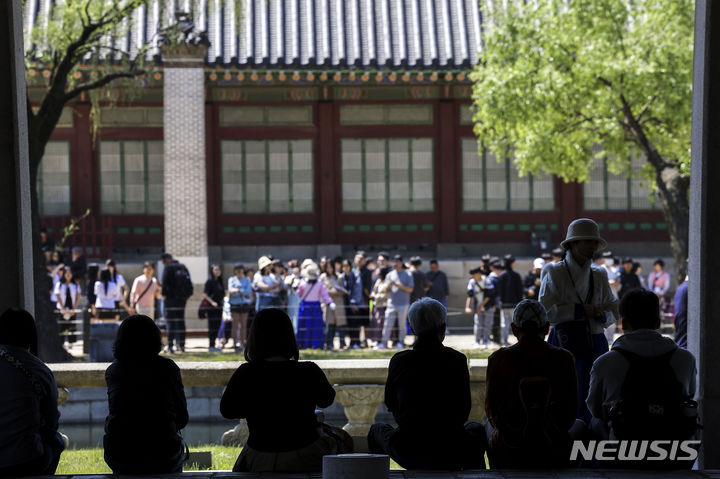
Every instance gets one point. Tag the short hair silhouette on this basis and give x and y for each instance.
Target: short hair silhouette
(137, 338)
(427, 317)
(640, 309)
(271, 334)
(17, 328)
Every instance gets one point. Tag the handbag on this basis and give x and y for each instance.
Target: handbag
(203, 309)
(575, 335)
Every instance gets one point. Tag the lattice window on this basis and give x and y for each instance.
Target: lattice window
(53, 182)
(387, 174)
(267, 176)
(489, 185)
(131, 177)
(630, 190)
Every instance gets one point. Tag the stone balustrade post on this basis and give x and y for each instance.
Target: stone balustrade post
(236, 436)
(477, 398)
(361, 404)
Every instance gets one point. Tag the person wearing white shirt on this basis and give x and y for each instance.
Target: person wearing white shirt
(67, 296)
(579, 302)
(117, 278)
(108, 296)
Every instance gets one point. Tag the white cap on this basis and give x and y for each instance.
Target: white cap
(538, 263)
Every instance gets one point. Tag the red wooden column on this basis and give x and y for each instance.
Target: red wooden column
(328, 176)
(212, 180)
(83, 179)
(570, 201)
(446, 172)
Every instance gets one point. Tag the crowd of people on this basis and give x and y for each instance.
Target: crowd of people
(360, 303)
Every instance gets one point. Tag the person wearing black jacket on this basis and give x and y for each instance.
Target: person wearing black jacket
(510, 292)
(175, 302)
(428, 393)
(214, 295)
(628, 278)
(147, 406)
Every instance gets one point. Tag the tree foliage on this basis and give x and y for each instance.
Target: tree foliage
(562, 81)
(557, 76)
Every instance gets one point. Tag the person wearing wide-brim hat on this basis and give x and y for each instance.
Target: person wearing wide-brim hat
(311, 328)
(267, 285)
(579, 301)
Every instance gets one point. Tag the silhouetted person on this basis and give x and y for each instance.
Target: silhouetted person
(30, 444)
(643, 388)
(428, 393)
(278, 395)
(531, 396)
(146, 402)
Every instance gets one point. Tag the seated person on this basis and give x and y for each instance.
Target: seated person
(428, 393)
(147, 404)
(278, 394)
(530, 396)
(30, 444)
(643, 388)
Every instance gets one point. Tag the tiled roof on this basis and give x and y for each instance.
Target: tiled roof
(319, 34)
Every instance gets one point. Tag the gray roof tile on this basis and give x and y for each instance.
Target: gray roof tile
(316, 34)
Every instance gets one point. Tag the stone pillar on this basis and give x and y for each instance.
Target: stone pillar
(704, 254)
(361, 404)
(15, 210)
(184, 147)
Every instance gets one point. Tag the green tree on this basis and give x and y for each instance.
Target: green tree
(74, 33)
(562, 81)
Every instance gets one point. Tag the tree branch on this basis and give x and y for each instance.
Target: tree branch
(101, 83)
(646, 107)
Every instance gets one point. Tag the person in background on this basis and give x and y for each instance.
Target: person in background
(47, 245)
(380, 295)
(438, 288)
(358, 305)
(476, 305)
(557, 255)
(240, 297)
(310, 319)
(428, 393)
(510, 292)
(67, 293)
(78, 265)
(681, 313)
(347, 282)
(612, 272)
(420, 282)
(117, 278)
(637, 268)
(214, 294)
(177, 288)
(278, 394)
(279, 272)
(485, 260)
(291, 282)
(658, 282)
(383, 261)
(30, 444)
(401, 285)
(266, 285)
(145, 290)
(628, 279)
(146, 404)
(530, 372)
(335, 320)
(532, 281)
(492, 292)
(108, 297)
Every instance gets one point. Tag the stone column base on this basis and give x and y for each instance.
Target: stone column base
(237, 436)
(361, 403)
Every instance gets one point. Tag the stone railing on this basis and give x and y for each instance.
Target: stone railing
(359, 384)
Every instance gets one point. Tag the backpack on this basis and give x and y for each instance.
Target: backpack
(181, 286)
(652, 404)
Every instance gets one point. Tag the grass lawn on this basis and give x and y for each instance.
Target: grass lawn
(315, 354)
(90, 461)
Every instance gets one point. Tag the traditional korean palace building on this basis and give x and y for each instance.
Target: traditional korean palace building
(313, 122)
